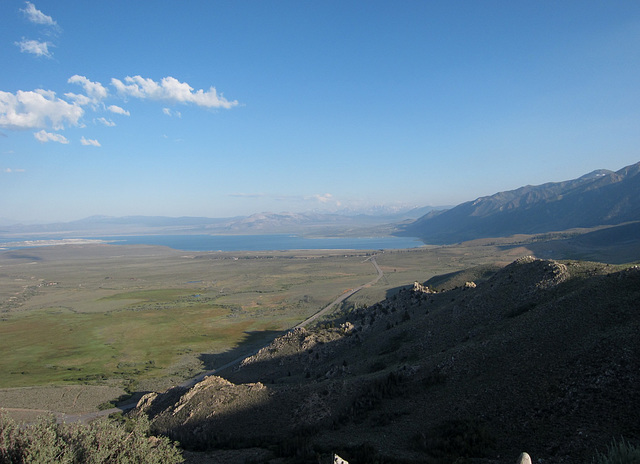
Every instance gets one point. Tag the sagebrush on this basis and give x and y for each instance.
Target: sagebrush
(101, 442)
(620, 452)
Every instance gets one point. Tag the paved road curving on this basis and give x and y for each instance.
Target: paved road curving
(88, 417)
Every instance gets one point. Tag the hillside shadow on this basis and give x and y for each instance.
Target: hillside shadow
(395, 290)
(331, 393)
(11, 254)
(451, 280)
(281, 415)
(614, 245)
(252, 342)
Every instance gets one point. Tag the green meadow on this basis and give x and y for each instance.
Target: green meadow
(146, 318)
(51, 346)
(125, 315)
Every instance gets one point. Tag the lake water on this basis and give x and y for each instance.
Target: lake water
(239, 242)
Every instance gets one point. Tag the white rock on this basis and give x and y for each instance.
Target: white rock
(524, 459)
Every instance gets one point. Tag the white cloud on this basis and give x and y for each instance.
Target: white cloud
(117, 110)
(107, 122)
(78, 99)
(36, 16)
(327, 200)
(95, 90)
(34, 47)
(9, 170)
(44, 136)
(89, 142)
(36, 110)
(168, 112)
(172, 90)
(324, 198)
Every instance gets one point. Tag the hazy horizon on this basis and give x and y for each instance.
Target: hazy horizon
(216, 109)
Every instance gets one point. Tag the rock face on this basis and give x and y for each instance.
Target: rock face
(538, 355)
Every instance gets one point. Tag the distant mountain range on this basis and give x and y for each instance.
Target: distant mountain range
(260, 223)
(601, 197)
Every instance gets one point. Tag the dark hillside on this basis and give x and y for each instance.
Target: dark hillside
(599, 198)
(615, 244)
(538, 356)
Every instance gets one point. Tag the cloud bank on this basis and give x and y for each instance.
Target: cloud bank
(37, 109)
(170, 89)
(42, 109)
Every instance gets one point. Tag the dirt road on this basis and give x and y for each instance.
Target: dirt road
(344, 296)
(309, 320)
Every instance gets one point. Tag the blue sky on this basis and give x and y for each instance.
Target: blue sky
(208, 108)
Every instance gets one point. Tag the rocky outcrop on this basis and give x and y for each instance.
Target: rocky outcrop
(419, 288)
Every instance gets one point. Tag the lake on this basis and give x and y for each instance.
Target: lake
(233, 242)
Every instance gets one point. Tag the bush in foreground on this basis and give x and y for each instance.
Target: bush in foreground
(101, 442)
(620, 452)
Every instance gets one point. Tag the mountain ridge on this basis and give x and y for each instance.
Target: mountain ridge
(601, 197)
(263, 223)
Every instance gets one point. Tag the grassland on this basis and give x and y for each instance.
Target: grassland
(145, 318)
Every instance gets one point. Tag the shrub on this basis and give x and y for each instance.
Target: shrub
(456, 439)
(103, 441)
(377, 366)
(619, 452)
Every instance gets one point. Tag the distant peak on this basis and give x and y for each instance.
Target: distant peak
(596, 174)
